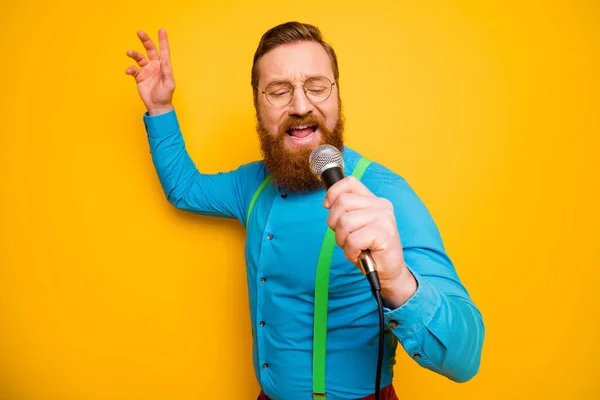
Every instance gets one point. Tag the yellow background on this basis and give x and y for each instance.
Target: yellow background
(490, 110)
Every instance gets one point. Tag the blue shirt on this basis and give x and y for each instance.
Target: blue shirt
(439, 326)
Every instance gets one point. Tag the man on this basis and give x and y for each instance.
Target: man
(286, 213)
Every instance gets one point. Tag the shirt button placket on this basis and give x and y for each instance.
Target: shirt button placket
(262, 323)
(266, 250)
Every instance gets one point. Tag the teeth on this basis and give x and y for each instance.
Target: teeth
(302, 127)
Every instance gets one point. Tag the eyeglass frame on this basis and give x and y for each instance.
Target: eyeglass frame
(294, 90)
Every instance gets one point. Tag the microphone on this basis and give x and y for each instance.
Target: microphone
(327, 163)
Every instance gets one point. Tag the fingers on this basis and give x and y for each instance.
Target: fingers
(347, 185)
(133, 71)
(148, 45)
(354, 221)
(163, 44)
(368, 237)
(348, 202)
(138, 57)
(351, 222)
(153, 55)
(359, 219)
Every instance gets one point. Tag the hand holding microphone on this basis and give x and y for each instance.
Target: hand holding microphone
(364, 226)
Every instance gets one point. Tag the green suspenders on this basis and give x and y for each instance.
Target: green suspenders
(255, 196)
(321, 290)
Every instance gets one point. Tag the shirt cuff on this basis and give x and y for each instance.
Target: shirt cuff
(417, 312)
(162, 124)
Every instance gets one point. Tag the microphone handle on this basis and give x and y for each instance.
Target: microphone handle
(368, 268)
(331, 175)
(366, 262)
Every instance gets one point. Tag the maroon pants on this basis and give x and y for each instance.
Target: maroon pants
(387, 393)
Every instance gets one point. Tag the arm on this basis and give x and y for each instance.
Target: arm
(439, 326)
(428, 309)
(221, 194)
(186, 188)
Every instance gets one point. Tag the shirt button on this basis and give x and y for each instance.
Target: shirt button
(263, 280)
(265, 365)
(262, 323)
(283, 195)
(270, 236)
(393, 324)
(417, 355)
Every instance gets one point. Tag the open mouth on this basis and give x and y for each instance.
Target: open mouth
(302, 131)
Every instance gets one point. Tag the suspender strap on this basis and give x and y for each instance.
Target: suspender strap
(321, 290)
(321, 300)
(361, 167)
(255, 196)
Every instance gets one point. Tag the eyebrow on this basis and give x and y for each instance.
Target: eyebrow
(280, 81)
(287, 81)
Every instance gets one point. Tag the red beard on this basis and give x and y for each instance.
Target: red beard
(290, 168)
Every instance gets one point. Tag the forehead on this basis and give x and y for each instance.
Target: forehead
(294, 62)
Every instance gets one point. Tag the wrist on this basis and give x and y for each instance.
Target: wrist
(158, 110)
(400, 289)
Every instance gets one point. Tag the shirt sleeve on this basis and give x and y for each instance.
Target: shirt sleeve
(222, 194)
(439, 326)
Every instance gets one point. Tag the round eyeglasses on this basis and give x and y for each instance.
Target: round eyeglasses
(280, 94)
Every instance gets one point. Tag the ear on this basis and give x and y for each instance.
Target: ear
(255, 98)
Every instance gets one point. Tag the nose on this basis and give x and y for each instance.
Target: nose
(300, 104)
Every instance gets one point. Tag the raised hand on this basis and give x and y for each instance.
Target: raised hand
(154, 77)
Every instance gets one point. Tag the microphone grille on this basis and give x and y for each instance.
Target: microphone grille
(323, 156)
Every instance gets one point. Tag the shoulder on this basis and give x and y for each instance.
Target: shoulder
(254, 168)
(410, 210)
(380, 179)
(251, 172)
